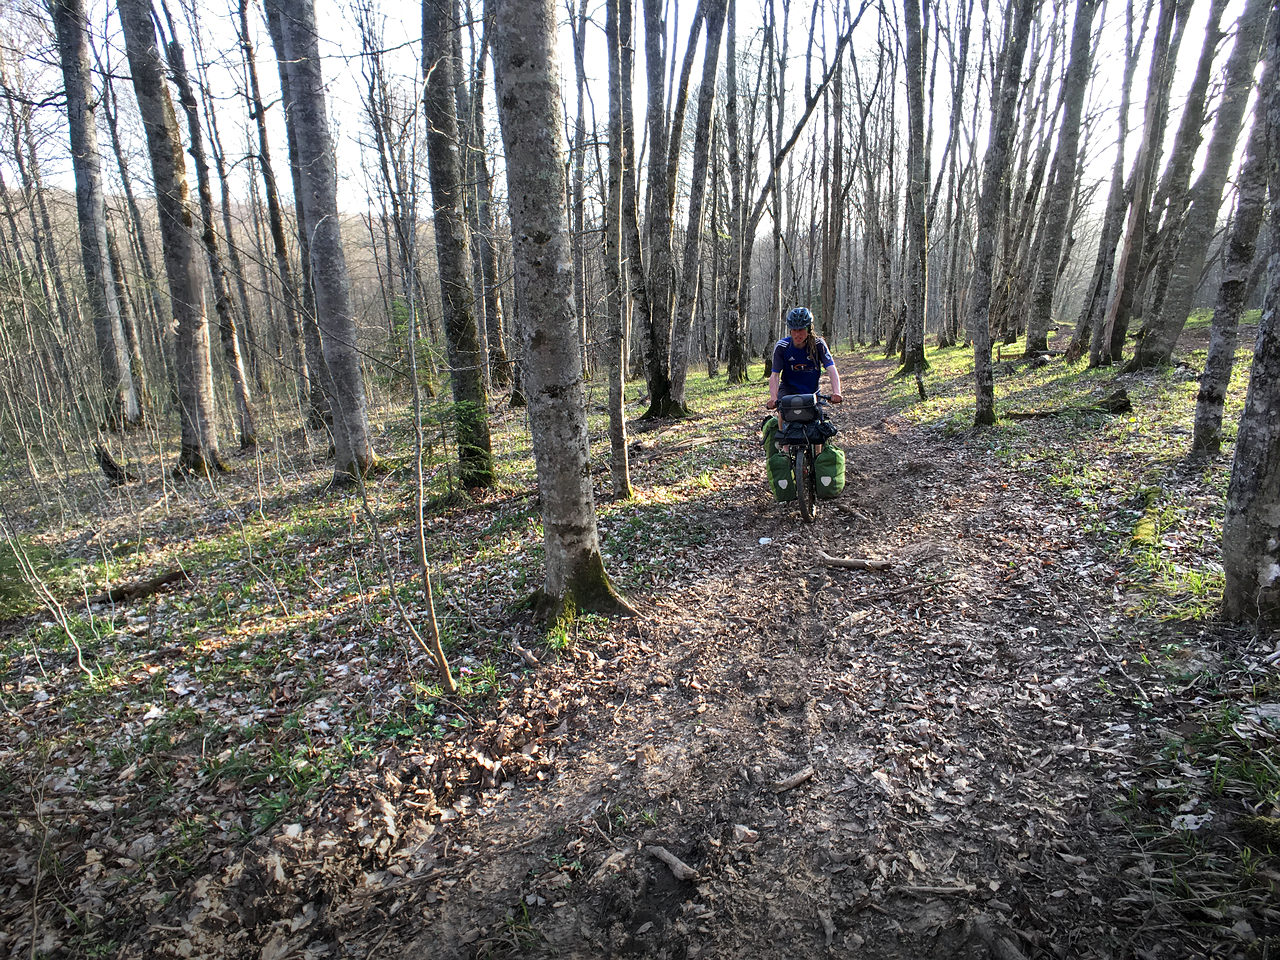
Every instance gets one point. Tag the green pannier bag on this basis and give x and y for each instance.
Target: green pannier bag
(781, 483)
(769, 434)
(828, 470)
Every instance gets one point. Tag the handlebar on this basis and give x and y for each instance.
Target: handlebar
(823, 400)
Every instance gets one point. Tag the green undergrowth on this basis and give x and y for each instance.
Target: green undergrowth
(211, 711)
(1143, 500)
(1200, 815)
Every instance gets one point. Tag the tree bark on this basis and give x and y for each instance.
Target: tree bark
(1250, 545)
(688, 291)
(1059, 198)
(318, 186)
(229, 329)
(1250, 210)
(453, 246)
(529, 109)
(917, 185)
(196, 405)
(615, 342)
(1173, 14)
(119, 392)
(292, 301)
(1162, 332)
(1004, 97)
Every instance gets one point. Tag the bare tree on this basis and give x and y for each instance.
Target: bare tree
(113, 353)
(453, 245)
(1059, 198)
(615, 303)
(292, 299)
(1161, 334)
(1251, 198)
(317, 167)
(529, 110)
(687, 292)
(1250, 547)
(229, 329)
(1004, 95)
(196, 406)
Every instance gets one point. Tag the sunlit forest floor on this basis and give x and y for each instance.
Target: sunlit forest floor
(1030, 737)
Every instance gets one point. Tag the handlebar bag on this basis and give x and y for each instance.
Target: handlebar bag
(798, 408)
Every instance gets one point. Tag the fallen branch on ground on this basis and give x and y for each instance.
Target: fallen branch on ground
(1117, 402)
(792, 781)
(127, 592)
(853, 563)
(679, 869)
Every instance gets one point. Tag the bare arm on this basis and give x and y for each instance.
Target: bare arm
(835, 383)
(774, 380)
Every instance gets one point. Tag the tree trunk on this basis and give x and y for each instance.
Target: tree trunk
(318, 186)
(658, 215)
(1162, 332)
(453, 246)
(1171, 197)
(734, 326)
(1250, 210)
(1173, 15)
(1059, 197)
(529, 110)
(917, 185)
(119, 393)
(275, 222)
(1004, 96)
(196, 405)
(229, 330)
(1250, 547)
(319, 400)
(619, 468)
(688, 291)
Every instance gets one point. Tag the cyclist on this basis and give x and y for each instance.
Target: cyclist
(799, 359)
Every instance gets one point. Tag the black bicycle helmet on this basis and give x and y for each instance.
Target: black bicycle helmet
(799, 318)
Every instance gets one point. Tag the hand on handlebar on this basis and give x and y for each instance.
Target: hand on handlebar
(771, 404)
(837, 398)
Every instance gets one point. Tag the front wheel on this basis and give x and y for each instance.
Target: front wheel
(806, 485)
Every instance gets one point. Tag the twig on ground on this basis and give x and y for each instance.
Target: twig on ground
(679, 869)
(854, 563)
(1115, 662)
(792, 781)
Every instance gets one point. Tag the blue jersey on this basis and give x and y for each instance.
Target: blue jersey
(799, 374)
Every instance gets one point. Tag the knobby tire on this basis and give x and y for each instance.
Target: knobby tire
(806, 491)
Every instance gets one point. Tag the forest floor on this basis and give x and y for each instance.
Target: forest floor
(1030, 737)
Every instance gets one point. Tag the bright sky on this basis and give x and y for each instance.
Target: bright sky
(342, 69)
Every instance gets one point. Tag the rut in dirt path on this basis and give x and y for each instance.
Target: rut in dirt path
(952, 776)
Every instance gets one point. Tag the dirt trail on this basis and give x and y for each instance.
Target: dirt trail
(954, 800)
(955, 768)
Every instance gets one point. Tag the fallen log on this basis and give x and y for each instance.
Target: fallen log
(1117, 402)
(128, 592)
(854, 563)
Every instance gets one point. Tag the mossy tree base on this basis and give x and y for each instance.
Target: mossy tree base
(589, 591)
